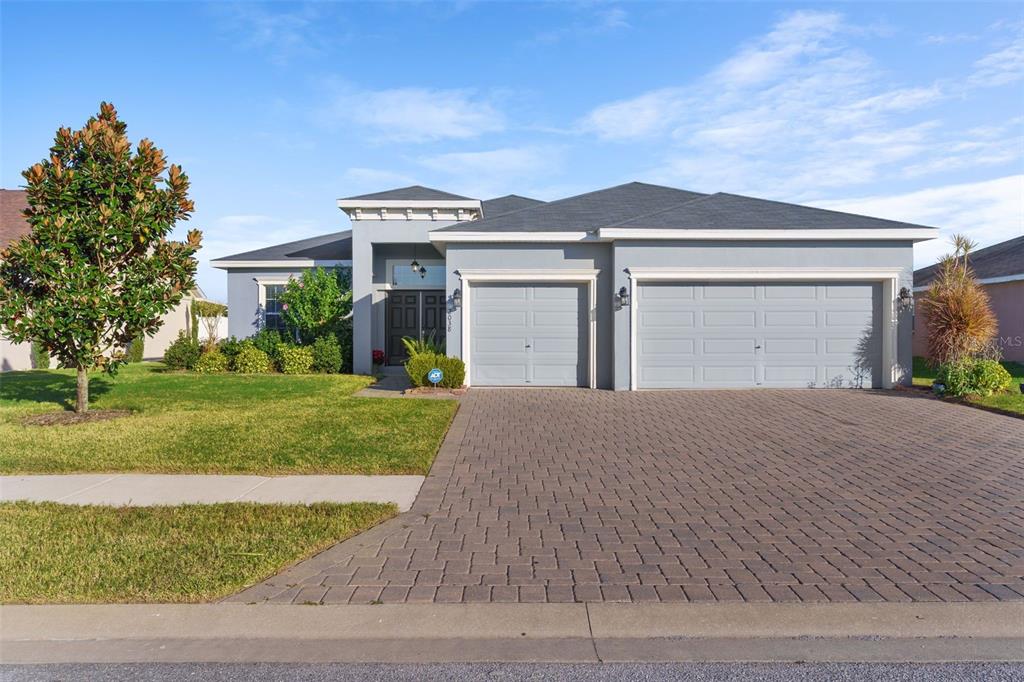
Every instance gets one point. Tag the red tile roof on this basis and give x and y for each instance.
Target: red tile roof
(13, 225)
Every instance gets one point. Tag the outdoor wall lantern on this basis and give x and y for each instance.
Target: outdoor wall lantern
(457, 298)
(621, 298)
(905, 294)
(415, 265)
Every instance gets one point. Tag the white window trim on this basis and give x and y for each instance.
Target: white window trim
(469, 278)
(392, 263)
(261, 287)
(289, 263)
(888, 277)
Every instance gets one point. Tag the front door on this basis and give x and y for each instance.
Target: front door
(416, 314)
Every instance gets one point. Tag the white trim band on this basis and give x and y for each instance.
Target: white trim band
(288, 263)
(439, 236)
(905, 234)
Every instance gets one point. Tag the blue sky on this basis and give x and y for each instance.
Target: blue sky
(912, 111)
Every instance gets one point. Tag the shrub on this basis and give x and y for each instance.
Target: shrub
(452, 369)
(327, 354)
(251, 360)
(40, 358)
(183, 353)
(974, 377)
(345, 341)
(229, 347)
(270, 341)
(316, 304)
(960, 320)
(295, 359)
(417, 367)
(136, 348)
(378, 356)
(212, 361)
(420, 346)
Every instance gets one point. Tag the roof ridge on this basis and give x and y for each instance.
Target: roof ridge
(673, 207)
(818, 208)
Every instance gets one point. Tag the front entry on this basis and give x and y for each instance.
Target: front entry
(419, 314)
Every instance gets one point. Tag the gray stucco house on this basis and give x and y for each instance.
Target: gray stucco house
(630, 287)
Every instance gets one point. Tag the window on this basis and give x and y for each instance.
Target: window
(402, 275)
(272, 307)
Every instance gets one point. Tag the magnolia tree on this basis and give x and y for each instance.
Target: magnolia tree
(97, 269)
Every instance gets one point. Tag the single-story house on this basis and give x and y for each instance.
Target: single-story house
(1000, 270)
(18, 356)
(630, 287)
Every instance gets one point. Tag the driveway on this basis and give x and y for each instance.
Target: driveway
(579, 495)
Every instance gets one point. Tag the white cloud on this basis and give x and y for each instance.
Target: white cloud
(642, 116)
(601, 21)
(801, 34)
(1001, 67)
(283, 35)
(950, 38)
(373, 179)
(988, 212)
(412, 114)
(496, 172)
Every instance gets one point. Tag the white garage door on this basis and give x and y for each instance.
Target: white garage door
(528, 335)
(739, 335)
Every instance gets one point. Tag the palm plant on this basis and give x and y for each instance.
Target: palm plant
(961, 324)
(414, 347)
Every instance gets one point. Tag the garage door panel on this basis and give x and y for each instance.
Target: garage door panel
(793, 376)
(792, 334)
(790, 346)
(788, 319)
(730, 292)
(728, 318)
(528, 335)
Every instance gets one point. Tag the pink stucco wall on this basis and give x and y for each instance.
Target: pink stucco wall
(1008, 305)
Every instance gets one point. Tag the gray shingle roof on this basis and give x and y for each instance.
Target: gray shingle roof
(507, 204)
(722, 211)
(411, 193)
(999, 260)
(334, 246)
(584, 212)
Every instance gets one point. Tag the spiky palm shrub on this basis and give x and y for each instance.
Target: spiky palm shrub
(961, 324)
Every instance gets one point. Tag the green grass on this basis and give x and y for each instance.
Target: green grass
(52, 553)
(1011, 401)
(219, 423)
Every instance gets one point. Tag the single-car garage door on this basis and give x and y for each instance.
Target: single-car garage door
(738, 335)
(528, 335)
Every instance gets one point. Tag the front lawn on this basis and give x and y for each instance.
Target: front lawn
(218, 423)
(1012, 401)
(52, 553)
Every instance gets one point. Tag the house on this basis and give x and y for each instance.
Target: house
(18, 356)
(630, 287)
(1000, 270)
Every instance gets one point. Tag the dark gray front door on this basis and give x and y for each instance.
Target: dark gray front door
(416, 314)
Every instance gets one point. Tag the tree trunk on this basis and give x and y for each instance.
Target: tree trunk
(82, 394)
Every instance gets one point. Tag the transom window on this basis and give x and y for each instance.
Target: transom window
(272, 318)
(401, 274)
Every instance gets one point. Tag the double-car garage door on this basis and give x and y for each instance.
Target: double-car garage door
(686, 335)
(740, 335)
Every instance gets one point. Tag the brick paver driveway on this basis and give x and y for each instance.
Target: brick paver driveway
(575, 495)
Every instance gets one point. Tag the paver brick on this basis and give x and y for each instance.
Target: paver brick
(817, 496)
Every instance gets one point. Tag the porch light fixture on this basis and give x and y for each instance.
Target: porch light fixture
(621, 298)
(415, 265)
(905, 294)
(457, 298)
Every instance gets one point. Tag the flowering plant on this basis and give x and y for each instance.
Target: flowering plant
(378, 357)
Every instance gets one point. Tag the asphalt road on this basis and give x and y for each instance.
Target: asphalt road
(490, 672)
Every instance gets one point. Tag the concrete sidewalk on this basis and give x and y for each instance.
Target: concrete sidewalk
(166, 489)
(513, 632)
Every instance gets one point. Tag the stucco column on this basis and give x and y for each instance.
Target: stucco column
(622, 321)
(362, 300)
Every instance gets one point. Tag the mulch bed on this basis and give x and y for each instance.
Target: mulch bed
(426, 390)
(71, 418)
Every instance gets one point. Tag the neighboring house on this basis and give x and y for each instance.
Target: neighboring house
(1000, 270)
(634, 286)
(18, 356)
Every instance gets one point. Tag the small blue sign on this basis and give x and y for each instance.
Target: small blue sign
(434, 376)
